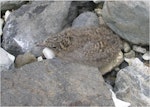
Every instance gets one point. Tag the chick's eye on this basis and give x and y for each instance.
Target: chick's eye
(54, 47)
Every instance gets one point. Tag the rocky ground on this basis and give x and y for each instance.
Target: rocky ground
(93, 49)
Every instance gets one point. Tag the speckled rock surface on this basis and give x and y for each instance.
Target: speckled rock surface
(54, 83)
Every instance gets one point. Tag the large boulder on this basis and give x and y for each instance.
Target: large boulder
(129, 19)
(86, 19)
(33, 23)
(54, 83)
(132, 83)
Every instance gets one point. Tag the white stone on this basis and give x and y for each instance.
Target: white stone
(48, 53)
(117, 69)
(146, 56)
(40, 58)
(1, 26)
(6, 59)
(118, 102)
(139, 49)
(7, 13)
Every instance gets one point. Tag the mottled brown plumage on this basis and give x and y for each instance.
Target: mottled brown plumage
(95, 46)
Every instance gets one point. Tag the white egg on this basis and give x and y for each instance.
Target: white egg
(48, 53)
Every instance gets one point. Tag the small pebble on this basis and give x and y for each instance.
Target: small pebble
(48, 53)
(146, 56)
(24, 59)
(117, 69)
(130, 54)
(7, 13)
(98, 11)
(139, 49)
(40, 58)
(126, 47)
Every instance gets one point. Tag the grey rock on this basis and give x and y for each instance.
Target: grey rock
(24, 59)
(8, 5)
(139, 49)
(129, 19)
(54, 83)
(78, 7)
(132, 83)
(130, 54)
(33, 23)
(86, 19)
(6, 60)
